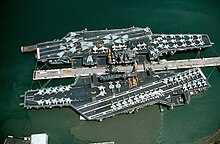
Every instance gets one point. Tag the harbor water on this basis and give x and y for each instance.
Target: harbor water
(27, 22)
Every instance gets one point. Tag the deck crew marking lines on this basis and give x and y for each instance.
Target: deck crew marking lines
(48, 54)
(135, 103)
(105, 112)
(117, 101)
(118, 34)
(102, 113)
(97, 108)
(54, 48)
(118, 95)
(61, 43)
(54, 44)
(111, 110)
(138, 37)
(166, 91)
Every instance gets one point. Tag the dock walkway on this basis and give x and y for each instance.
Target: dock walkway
(72, 72)
(162, 65)
(186, 63)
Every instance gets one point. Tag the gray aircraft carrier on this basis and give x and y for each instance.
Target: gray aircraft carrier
(95, 100)
(89, 48)
(108, 77)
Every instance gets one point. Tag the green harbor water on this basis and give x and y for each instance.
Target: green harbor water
(27, 22)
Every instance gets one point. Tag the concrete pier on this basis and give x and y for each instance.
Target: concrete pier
(162, 65)
(183, 64)
(71, 72)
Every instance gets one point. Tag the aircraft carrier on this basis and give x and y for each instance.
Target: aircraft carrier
(89, 48)
(113, 71)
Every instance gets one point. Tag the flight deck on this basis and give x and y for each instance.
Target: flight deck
(84, 48)
(96, 101)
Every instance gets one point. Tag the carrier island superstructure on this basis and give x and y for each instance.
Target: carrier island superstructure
(114, 71)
